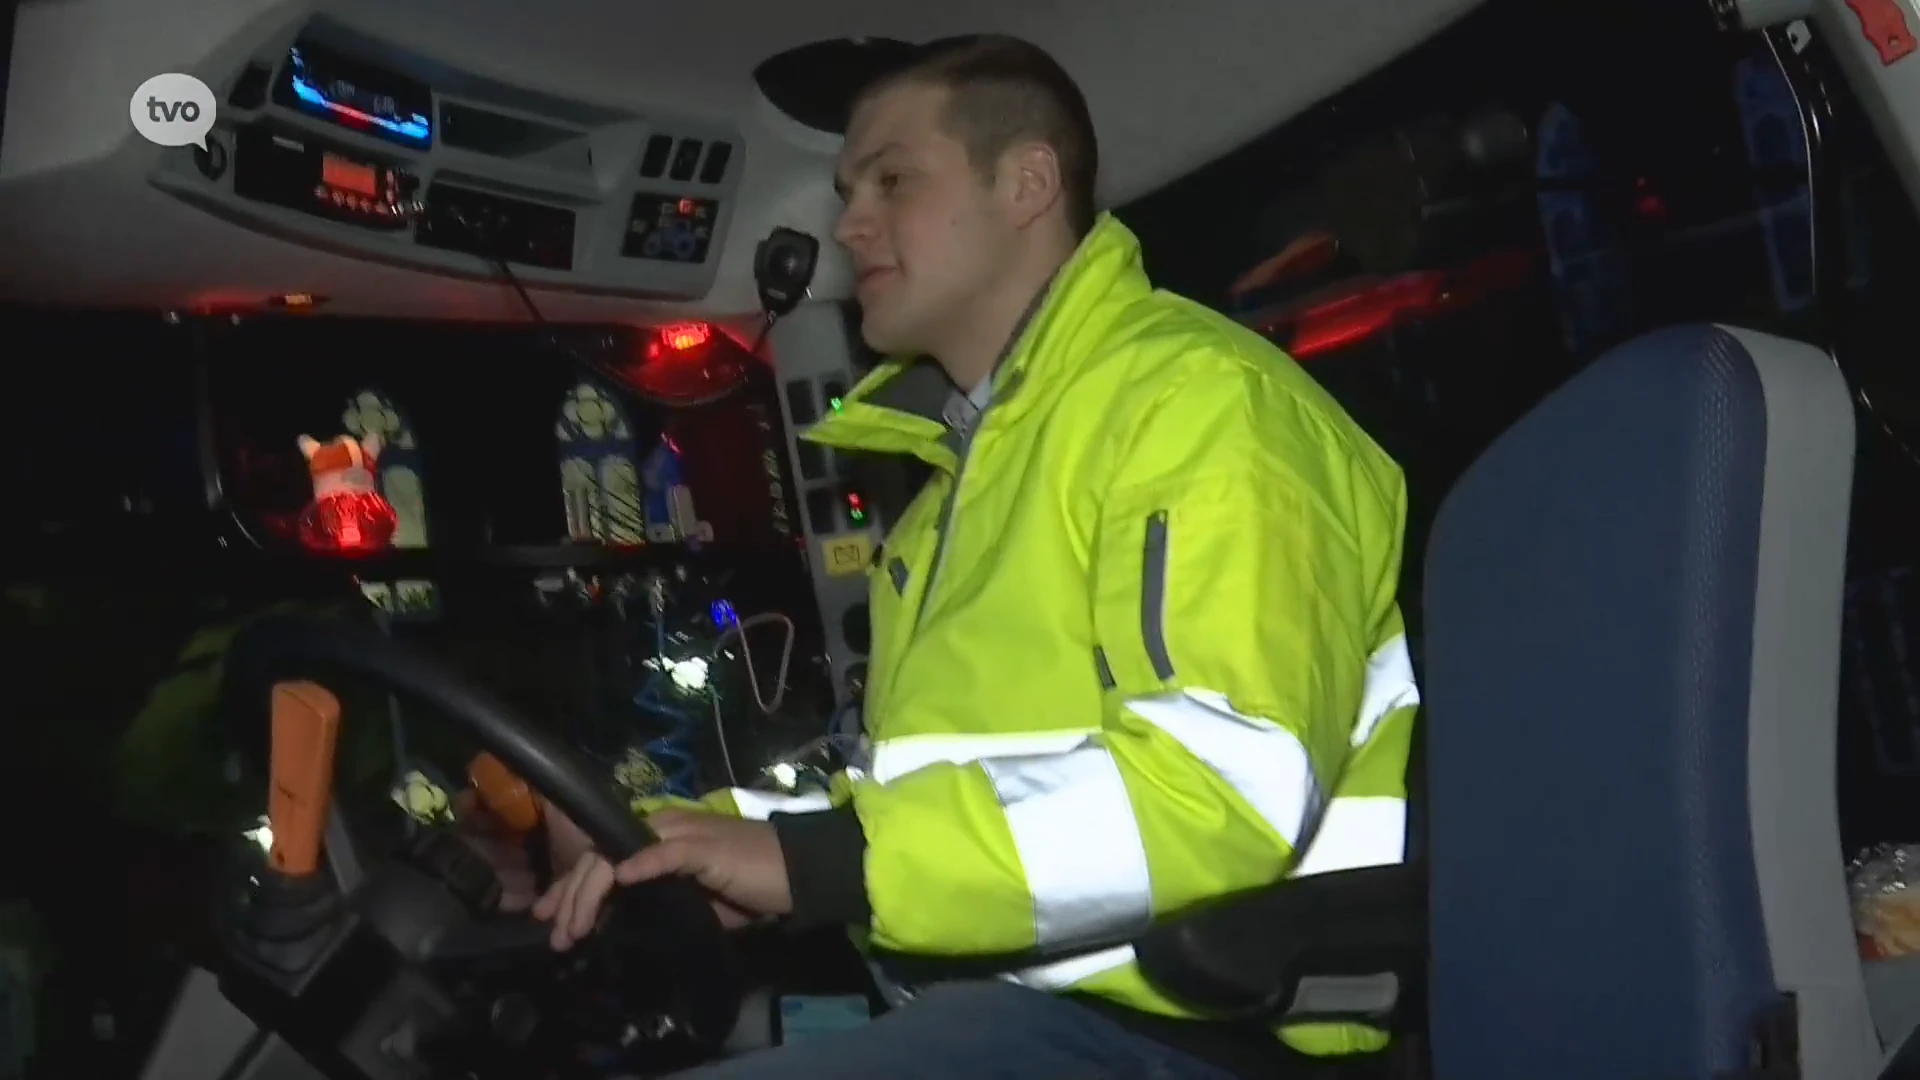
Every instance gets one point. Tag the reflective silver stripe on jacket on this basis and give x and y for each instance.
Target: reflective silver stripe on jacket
(1073, 825)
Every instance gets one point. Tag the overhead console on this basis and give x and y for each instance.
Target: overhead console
(353, 145)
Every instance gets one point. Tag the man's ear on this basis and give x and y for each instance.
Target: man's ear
(1030, 174)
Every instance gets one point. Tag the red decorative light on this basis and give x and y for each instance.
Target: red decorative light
(688, 362)
(351, 524)
(1361, 311)
(1306, 255)
(1647, 202)
(682, 337)
(1364, 314)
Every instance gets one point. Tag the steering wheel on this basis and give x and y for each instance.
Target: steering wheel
(663, 936)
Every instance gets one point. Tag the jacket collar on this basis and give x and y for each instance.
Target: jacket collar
(898, 407)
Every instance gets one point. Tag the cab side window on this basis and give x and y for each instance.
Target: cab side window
(1680, 189)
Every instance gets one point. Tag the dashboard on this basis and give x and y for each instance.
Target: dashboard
(342, 142)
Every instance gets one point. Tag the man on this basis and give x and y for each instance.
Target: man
(1135, 645)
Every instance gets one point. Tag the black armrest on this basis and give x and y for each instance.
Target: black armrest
(1341, 946)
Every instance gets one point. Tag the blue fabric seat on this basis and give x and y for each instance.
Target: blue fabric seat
(1633, 605)
(1631, 866)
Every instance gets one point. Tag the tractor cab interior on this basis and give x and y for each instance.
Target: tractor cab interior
(447, 385)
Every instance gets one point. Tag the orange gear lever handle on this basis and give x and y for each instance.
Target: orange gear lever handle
(506, 796)
(306, 730)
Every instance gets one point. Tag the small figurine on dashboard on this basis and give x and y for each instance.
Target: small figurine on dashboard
(348, 515)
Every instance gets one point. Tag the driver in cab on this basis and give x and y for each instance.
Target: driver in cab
(1135, 644)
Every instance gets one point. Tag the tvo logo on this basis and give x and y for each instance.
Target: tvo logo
(173, 110)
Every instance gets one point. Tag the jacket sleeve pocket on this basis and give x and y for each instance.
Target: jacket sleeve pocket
(1225, 588)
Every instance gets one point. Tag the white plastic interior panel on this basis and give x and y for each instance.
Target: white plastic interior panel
(814, 355)
(559, 102)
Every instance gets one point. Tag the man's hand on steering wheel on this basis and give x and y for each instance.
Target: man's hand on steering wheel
(739, 863)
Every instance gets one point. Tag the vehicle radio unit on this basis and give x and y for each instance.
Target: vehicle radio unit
(307, 174)
(354, 94)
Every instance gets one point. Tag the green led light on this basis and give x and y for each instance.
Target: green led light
(858, 515)
(835, 404)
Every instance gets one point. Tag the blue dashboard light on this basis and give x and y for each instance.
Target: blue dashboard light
(415, 128)
(724, 615)
(353, 105)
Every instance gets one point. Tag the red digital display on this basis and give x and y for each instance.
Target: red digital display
(350, 176)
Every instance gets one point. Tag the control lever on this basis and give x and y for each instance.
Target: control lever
(506, 796)
(512, 803)
(305, 732)
(292, 910)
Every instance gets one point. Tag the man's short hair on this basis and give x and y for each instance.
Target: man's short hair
(1002, 91)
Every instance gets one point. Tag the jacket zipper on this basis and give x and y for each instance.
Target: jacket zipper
(966, 451)
(946, 514)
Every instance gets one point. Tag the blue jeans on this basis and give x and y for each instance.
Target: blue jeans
(972, 1031)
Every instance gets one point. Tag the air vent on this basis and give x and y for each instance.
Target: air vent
(715, 170)
(250, 89)
(686, 158)
(653, 164)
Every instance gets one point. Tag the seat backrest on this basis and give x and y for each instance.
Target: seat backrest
(1633, 609)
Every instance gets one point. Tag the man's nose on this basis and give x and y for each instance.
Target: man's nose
(853, 229)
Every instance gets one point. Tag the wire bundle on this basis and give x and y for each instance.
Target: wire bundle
(677, 764)
(677, 769)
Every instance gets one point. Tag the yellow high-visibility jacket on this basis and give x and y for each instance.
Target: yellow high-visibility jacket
(1135, 645)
